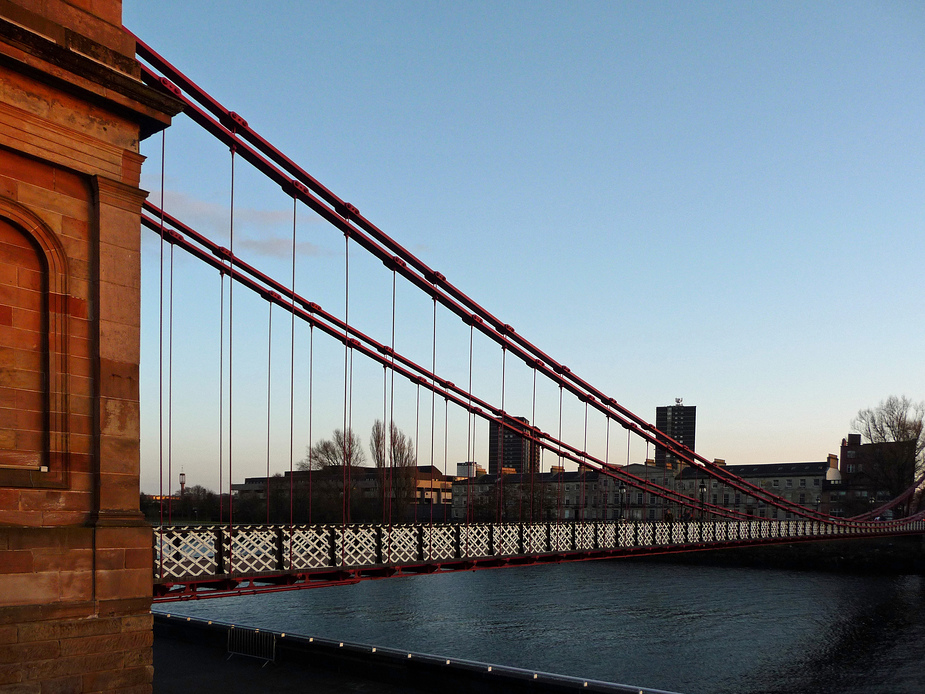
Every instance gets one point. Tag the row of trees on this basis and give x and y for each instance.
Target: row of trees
(393, 456)
(339, 461)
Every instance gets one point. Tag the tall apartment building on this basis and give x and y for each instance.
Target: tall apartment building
(680, 423)
(508, 449)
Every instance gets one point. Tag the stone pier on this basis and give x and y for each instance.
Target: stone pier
(75, 553)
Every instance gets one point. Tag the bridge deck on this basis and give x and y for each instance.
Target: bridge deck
(215, 560)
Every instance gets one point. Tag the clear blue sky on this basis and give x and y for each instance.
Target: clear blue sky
(716, 201)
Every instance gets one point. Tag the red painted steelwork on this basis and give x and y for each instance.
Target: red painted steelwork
(232, 129)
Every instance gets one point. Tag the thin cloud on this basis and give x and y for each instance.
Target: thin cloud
(256, 230)
(279, 247)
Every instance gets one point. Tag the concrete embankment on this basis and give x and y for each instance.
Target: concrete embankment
(887, 555)
(192, 655)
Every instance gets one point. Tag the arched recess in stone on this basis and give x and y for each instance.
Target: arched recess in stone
(33, 351)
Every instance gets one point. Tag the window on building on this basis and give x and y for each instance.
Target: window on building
(775, 483)
(816, 482)
(725, 499)
(714, 499)
(789, 484)
(774, 513)
(639, 498)
(738, 499)
(803, 483)
(851, 467)
(802, 498)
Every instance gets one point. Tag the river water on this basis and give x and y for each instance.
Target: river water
(689, 629)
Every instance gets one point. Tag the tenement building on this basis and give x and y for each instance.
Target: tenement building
(814, 485)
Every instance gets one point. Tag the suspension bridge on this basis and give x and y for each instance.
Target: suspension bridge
(234, 558)
(137, 333)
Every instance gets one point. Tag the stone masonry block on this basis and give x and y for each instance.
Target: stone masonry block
(118, 379)
(119, 417)
(138, 622)
(64, 518)
(140, 656)
(76, 586)
(62, 539)
(11, 677)
(128, 641)
(139, 559)
(126, 583)
(118, 679)
(131, 168)
(24, 652)
(68, 629)
(128, 537)
(124, 606)
(115, 307)
(110, 559)
(122, 266)
(62, 685)
(9, 188)
(19, 168)
(120, 455)
(119, 492)
(63, 560)
(71, 184)
(8, 634)
(43, 201)
(16, 562)
(29, 589)
(75, 665)
(119, 342)
(18, 517)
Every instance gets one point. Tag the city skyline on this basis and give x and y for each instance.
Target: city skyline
(619, 181)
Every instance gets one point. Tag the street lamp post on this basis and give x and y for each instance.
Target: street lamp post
(818, 501)
(622, 500)
(703, 495)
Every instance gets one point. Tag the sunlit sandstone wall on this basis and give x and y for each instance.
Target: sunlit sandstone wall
(75, 554)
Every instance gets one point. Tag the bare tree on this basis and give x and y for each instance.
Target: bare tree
(896, 420)
(338, 450)
(337, 459)
(397, 467)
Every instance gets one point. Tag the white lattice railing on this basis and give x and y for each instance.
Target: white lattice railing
(201, 553)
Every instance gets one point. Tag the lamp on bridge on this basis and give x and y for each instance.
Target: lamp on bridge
(703, 496)
(622, 499)
(818, 501)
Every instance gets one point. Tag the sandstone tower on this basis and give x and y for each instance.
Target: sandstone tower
(75, 553)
